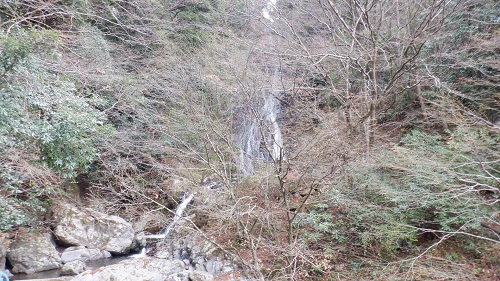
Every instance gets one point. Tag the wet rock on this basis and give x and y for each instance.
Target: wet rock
(81, 253)
(33, 252)
(201, 258)
(152, 269)
(4, 245)
(92, 229)
(73, 268)
(139, 242)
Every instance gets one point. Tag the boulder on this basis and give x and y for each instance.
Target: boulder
(92, 229)
(197, 275)
(81, 253)
(33, 252)
(73, 268)
(152, 269)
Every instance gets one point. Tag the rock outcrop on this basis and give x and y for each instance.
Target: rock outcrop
(152, 269)
(92, 229)
(73, 268)
(81, 253)
(33, 252)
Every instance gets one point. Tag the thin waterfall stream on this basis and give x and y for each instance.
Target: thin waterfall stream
(178, 215)
(271, 110)
(179, 211)
(259, 136)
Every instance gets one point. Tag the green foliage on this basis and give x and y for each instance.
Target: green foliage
(465, 56)
(13, 50)
(322, 226)
(21, 202)
(67, 123)
(43, 108)
(12, 215)
(426, 184)
(190, 37)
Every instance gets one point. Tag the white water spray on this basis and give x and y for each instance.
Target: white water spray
(178, 212)
(268, 9)
(142, 254)
(177, 217)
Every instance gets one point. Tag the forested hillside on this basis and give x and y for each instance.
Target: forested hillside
(322, 140)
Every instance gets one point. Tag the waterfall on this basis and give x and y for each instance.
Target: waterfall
(179, 211)
(266, 11)
(260, 136)
(258, 132)
(270, 111)
(249, 141)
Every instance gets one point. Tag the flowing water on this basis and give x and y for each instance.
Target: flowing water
(270, 111)
(179, 211)
(55, 273)
(259, 136)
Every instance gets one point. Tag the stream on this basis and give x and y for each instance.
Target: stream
(57, 272)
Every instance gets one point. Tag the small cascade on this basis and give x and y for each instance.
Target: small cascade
(178, 213)
(177, 217)
(142, 254)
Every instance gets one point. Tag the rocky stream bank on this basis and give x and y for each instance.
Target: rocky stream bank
(82, 239)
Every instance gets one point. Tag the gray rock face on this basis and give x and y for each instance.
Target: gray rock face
(81, 253)
(3, 254)
(201, 259)
(200, 276)
(92, 229)
(33, 252)
(73, 268)
(151, 269)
